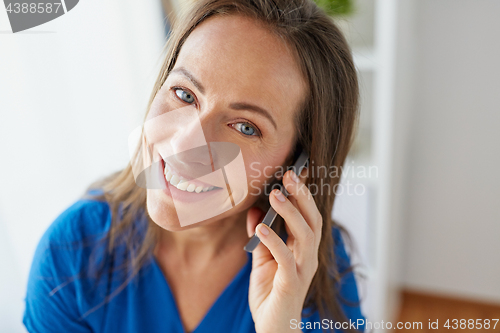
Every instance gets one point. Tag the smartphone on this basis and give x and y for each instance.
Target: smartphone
(301, 158)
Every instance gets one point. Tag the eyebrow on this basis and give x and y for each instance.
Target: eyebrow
(254, 108)
(190, 77)
(234, 106)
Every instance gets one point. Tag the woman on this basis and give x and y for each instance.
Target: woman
(266, 76)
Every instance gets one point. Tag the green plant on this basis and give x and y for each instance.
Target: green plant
(336, 7)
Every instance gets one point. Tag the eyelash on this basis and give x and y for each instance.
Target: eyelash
(258, 133)
(174, 90)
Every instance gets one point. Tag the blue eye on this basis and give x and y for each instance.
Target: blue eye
(246, 129)
(184, 96)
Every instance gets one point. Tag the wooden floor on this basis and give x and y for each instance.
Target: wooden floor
(418, 307)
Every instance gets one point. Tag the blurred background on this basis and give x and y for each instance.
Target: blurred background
(425, 216)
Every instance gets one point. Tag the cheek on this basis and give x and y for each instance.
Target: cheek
(158, 107)
(261, 171)
(161, 103)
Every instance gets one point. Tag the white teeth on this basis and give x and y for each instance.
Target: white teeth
(175, 180)
(182, 184)
(168, 176)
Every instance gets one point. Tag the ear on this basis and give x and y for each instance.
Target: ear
(262, 202)
(254, 217)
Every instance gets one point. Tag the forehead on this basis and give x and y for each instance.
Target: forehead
(247, 60)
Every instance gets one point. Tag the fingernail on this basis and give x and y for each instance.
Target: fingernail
(294, 177)
(279, 196)
(263, 229)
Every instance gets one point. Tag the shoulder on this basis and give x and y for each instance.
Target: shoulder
(67, 243)
(71, 242)
(85, 218)
(53, 299)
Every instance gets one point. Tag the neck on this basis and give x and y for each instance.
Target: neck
(206, 241)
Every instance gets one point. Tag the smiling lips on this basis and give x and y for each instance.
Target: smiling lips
(184, 185)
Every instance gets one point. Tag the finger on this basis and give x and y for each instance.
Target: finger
(299, 229)
(260, 254)
(304, 174)
(290, 240)
(304, 201)
(281, 253)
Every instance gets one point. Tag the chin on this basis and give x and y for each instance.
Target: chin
(164, 214)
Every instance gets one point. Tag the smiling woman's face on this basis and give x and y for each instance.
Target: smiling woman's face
(246, 88)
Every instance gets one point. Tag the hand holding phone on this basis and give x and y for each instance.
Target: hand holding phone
(271, 214)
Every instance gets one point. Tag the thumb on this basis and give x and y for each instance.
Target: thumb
(261, 254)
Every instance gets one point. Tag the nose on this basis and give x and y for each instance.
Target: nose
(191, 138)
(199, 147)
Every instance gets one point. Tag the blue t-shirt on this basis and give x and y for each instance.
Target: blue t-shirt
(63, 295)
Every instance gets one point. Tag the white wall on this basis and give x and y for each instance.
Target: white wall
(70, 92)
(452, 243)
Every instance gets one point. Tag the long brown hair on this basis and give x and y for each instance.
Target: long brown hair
(325, 127)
